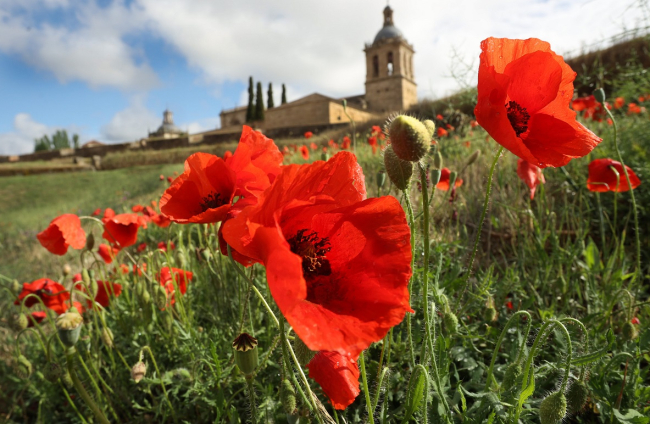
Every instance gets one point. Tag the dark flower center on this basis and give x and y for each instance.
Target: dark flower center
(312, 249)
(518, 117)
(212, 201)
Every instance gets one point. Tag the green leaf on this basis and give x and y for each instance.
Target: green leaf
(416, 390)
(595, 356)
(632, 417)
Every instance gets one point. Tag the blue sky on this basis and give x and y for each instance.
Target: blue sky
(106, 69)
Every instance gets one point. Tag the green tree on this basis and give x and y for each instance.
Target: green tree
(269, 101)
(284, 94)
(59, 140)
(75, 141)
(250, 112)
(42, 144)
(259, 103)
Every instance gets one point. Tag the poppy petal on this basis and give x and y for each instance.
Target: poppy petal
(337, 375)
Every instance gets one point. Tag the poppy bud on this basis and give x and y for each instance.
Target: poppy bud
(452, 179)
(67, 380)
(18, 322)
(599, 94)
(69, 327)
(576, 396)
(67, 269)
(179, 375)
(473, 158)
(207, 255)
(53, 372)
(92, 288)
(435, 177)
(90, 241)
(451, 322)
(160, 297)
(139, 289)
(288, 396)
(553, 408)
(168, 320)
(510, 376)
(629, 332)
(437, 161)
(85, 275)
(489, 314)
(399, 171)
(381, 179)
(146, 297)
(303, 353)
(138, 371)
(430, 126)
(16, 287)
(107, 337)
(324, 157)
(416, 391)
(409, 137)
(23, 367)
(245, 347)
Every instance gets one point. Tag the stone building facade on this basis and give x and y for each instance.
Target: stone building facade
(390, 87)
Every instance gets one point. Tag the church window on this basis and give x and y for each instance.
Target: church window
(375, 66)
(390, 64)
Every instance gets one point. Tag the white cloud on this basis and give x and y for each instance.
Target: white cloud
(132, 123)
(25, 131)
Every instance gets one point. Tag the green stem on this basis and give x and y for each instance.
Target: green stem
(80, 388)
(409, 214)
(251, 397)
(480, 223)
(155, 364)
(497, 347)
(638, 274)
(602, 221)
(429, 339)
(364, 380)
(425, 267)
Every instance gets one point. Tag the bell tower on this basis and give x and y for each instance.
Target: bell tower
(390, 84)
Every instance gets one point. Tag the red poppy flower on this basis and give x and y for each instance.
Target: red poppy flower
(450, 127)
(170, 179)
(372, 141)
(137, 208)
(337, 265)
(168, 276)
(439, 117)
(442, 132)
(159, 219)
(108, 253)
(509, 305)
(122, 229)
(62, 232)
(53, 294)
(309, 134)
(473, 123)
(142, 247)
(227, 154)
(304, 151)
(139, 269)
(467, 144)
(124, 269)
(96, 212)
(443, 184)
(76, 278)
(376, 129)
(530, 174)
(36, 318)
(346, 143)
(108, 214)
(633, 108)
(338, 375)
(162, 177)
(610, 122)
(635, 321)
(603, 178)
(524, 91)
(619, 102)
(106, 290)
(583, 103)
(313, 146)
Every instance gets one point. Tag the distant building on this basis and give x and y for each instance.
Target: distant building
(167, 129)
(390, 87)
(92, 143)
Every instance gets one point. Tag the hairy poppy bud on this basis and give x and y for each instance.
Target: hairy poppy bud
(85, 275)
(53, 372)
(160, 297)
(324, 157)
(245, 347)
(435, 177)
(409, 137)
(67, 269)
(168, 320)
(16, 287)
(303, 353)
(489, 314)
(430, 126)
(576, 396)
(381, 178)
(67, 379)
(107, 337)
(399, 171)
(69, 327)
(90, 241)
(437, 161)
(139, 289)
(146, 297)
(23, 367)
(138, 371)
(510, 377)
(179, 375)
(452, 179)
(451, 322)
(473, 158)
(18, 322)
(553, 408)
(416, 392)
(599, 94)
(288, 397)
(629, 332)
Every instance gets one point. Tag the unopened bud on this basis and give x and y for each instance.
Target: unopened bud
(552, 409)
(23, 367)
(576, 396)
(430, 126)
(139, 289)
(303, 353)
(53, 372)
(67, 379)
(629, 331)
(67, 269)
(85, 275)
(246, 359)
(288, 397)
(381, 179)
(437, 160)
(160, 297)
(599, 94)
(16, 287)
(146, 297)
(399, 171)
(18, 322)
(90, 242)
(435, 177)
(452, 179)
(168, 321)
(473, 158)
(489, 314)
(107, 337)
(138, 371)
(451, 322)
(68, 326)
(510, 376)
(324, 156)
(409, 137)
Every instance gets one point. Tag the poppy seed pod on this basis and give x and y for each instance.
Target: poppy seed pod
(107, 337)
(69, 327)
(435, 177)
(430, 126)
(409, 137)
(303, 353)
(629, 332)
(288, 397)
(18, 322)
(23, 367)
(599, 94)
(138, 371)
(160, 297)
(576, 396)
(437, 161)
(246, 359)
(399, 171)
(381, 179)
(553, 408)
(90, 242)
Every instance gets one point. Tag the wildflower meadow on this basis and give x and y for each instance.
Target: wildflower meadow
(489, 269)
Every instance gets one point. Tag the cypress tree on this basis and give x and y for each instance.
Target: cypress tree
(259, 103)
(284, 94)
(250, 112)
(269, 101)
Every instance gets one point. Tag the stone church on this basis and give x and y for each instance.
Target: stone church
(390, 87)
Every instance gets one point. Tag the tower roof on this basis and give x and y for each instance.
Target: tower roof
(389, 30)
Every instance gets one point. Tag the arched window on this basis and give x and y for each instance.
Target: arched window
(390, 66)
(375, 66)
